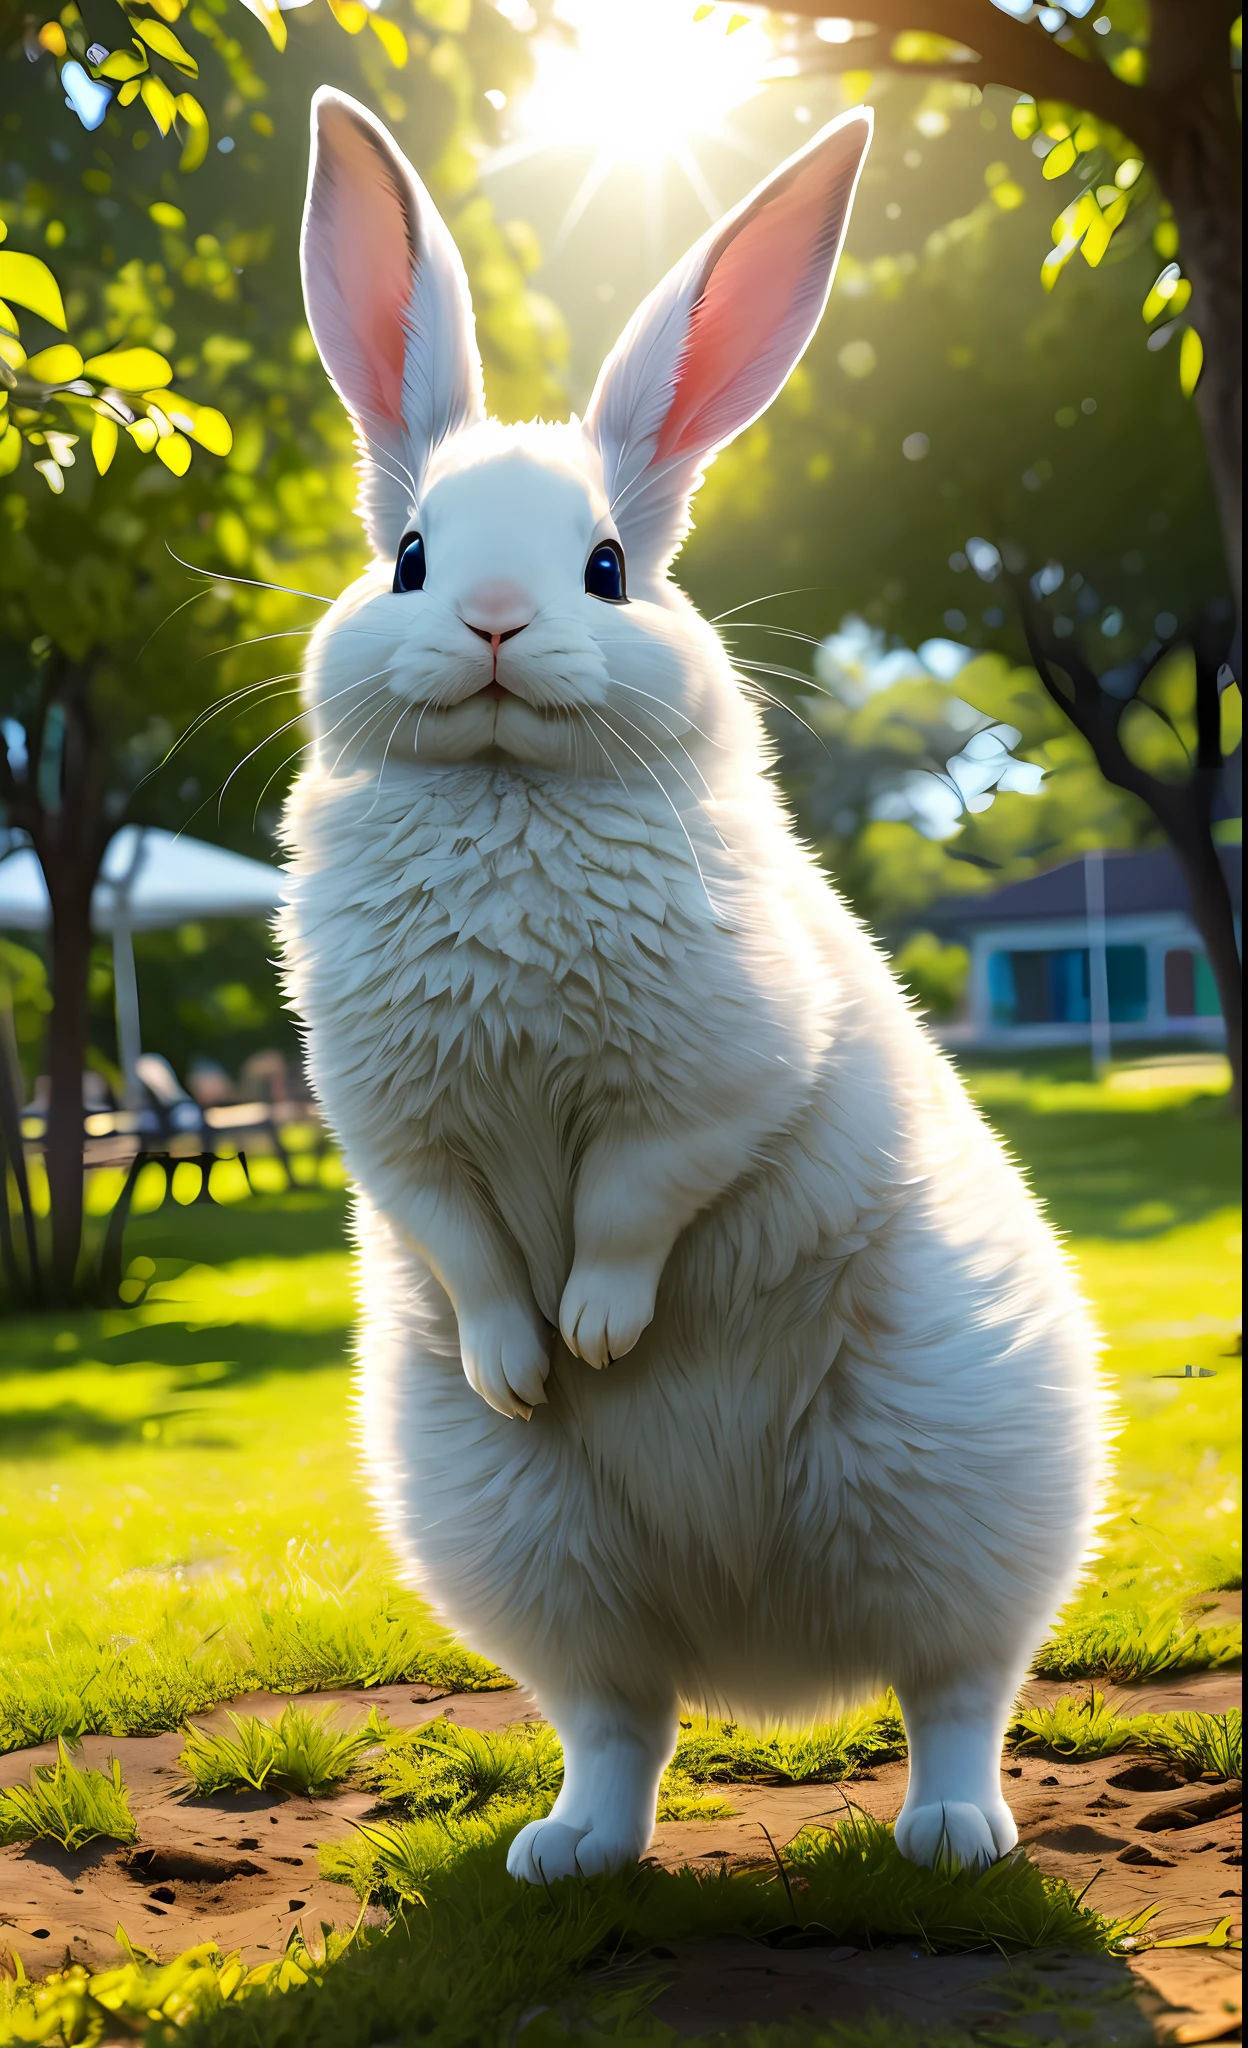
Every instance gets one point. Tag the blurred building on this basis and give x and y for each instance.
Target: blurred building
(1106, 940)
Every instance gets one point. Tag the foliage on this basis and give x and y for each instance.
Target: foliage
(934, 972)
(24, 994)
(125, 383)
(444, 1772)
(83, 2007)
(1127, 1645)
(300, 1752)
(1201, 1745)
(296, 1636)
(879, 776)
(720, 1752)
(1027, 406)
(1079, 1730)
(67, 1804)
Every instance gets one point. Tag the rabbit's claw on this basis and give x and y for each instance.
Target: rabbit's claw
(506, 1356)
(605, 1308)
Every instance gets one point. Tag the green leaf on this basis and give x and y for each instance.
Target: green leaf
(59, 364)
(28, 280)
(159, 101)
(103, 442)
(122, 65)
(130, 369)
(391, 37)
(1191, 361)
(195, 148)
(174, 450)
(165, 43)
(1060, 158)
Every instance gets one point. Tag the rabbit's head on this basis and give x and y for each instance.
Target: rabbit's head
(520, 608)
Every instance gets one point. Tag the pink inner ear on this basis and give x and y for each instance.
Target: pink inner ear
(374, 263)
(755, 310)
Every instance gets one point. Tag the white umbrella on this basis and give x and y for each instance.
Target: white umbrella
(149, 881)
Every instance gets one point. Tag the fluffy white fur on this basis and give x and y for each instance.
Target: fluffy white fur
(623, 1085)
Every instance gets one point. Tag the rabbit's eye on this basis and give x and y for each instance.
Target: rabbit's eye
(409, 570)
(604, 572)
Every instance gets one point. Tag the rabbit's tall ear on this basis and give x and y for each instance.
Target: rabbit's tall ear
(709, 349)
(388, 304)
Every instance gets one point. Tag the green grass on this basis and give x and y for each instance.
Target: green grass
(1201, 1745)
(299, 1752)
(181, 1518)
(66, 1804)
(721, 1752)
(1127, 1645)
(1080, 1730)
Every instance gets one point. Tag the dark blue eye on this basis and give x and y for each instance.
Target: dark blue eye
(604, 572)
(409, 570)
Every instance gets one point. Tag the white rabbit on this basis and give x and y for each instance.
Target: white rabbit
(621, 1082)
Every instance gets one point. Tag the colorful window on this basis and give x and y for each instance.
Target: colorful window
(1052, 987)
(1191, 990)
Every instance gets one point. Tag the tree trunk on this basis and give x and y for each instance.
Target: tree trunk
(69, 1031)
(65, 824)
(1214, 918)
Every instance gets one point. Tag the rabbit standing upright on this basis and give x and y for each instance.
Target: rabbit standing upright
(712, 1350)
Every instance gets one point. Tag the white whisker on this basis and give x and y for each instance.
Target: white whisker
(666, 793)
(643, 734)
(798, 590)
(253, 582)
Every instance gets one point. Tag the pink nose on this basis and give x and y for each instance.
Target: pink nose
(497, 606)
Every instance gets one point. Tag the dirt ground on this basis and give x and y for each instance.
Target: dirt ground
(241, 1869)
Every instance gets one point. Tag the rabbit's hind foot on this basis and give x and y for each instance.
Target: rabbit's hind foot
(955, 1834)
(955, 1815)
(604, 1816)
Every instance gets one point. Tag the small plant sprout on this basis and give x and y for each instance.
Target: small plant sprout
(1201, 1745)
(66, 1804)
(441, 1772)
(300, 1752)
(1129, 1644)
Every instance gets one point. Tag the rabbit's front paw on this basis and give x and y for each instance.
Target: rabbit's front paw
(955, 1833)
(505, 1350)
(606, 1305)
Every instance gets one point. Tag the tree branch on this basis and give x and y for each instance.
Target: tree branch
(1016, 54)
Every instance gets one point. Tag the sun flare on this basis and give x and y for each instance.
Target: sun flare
(637, 84)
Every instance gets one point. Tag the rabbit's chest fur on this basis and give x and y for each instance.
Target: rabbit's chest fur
(489, 960)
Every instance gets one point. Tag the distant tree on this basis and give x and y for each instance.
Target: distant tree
(1161, 728)
(1113, 88)
(102, 629)
(840, 500)
(917, 789)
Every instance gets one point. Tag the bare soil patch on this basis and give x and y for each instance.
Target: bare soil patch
(241, 1870)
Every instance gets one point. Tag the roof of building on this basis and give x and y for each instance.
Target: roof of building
(1136, 884)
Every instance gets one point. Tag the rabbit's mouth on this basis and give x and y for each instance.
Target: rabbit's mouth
(495, 691)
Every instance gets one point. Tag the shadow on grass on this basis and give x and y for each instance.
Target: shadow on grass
(283, 1228)
(239, 1354)
(1131, 1171)
(288, 1226)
